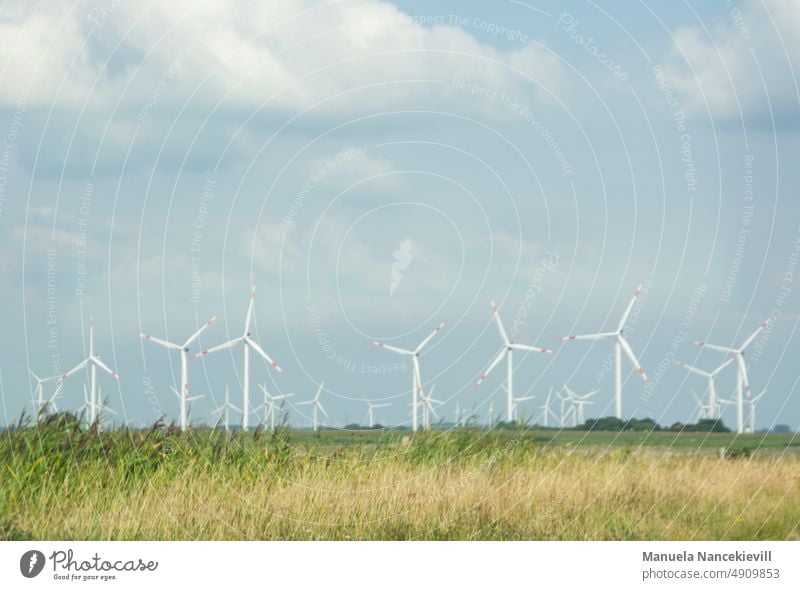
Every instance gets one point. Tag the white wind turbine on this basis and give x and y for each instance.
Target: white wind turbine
(247, 344)
(416, 377)
(742, 384)
(620, 344)
(92, 362)
(271, 406)
(546, 411)
(713, 405)
(579, 401)
(490, 415)
(99, 404)
(703, 411)
(429, 404)
(752, 414)
(515, 403)
(39, 403)
(371, 412)
(183, 349)
(317, 407)
(507, 353)
(223, 410)
(567, 409)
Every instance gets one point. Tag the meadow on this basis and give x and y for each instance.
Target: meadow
(61, 481)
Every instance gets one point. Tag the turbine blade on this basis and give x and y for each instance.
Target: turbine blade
(319, 405)
(629, 309)
(752, 337)
(102, 365)
(428, 339)
(194, 336)
(491, 367)
(254, 345)
(393, 348)
(74, 369)
(692, 369)
(250, 310)
(496, 314)
(713, 346)
(223, 346)
(722, 366)
(599, 336)
(743, 373)
(626, 347)
(163, 343)
(531, 348)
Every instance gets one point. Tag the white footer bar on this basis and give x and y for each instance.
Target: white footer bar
(389, 565)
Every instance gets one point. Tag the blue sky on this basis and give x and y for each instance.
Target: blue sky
(549, 155)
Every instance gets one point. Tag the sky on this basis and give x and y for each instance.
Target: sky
(377, 168)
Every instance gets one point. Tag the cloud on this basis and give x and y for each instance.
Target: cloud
(290, 55)
(746, 65)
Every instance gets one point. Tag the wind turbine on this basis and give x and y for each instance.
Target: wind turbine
(620, 345)
(317, 406)
(93, 362)
(186, 406)
(416, 377)
(579, 401)
(270, 405)
(516, 401)
(223, 410)
(184, 352)
(40, 404)
(703, 411)
(507, 353)
(742, 384)
(371, 412)
(99, 406)
(566, 411)
(713, 406)
(546, 411)
(490, 415)
(428, 407)
(752, 414)
(247, 344)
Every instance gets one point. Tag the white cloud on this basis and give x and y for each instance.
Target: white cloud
(725, 70)
(294, 53)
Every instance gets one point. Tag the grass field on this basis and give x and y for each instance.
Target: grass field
(62, 482)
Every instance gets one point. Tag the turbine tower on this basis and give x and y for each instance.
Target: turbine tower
(371, 412)
(247, 344)
(713, 406)
(507, 353)
(742, 384)
(752, 414)
(183, 397)
(546, 411)
(620, 345)
(93, 362)
(317, 407)
(416, 377)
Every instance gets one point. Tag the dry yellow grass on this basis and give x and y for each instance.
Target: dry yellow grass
(519, 494)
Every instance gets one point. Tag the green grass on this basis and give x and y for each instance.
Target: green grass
(60, 481)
